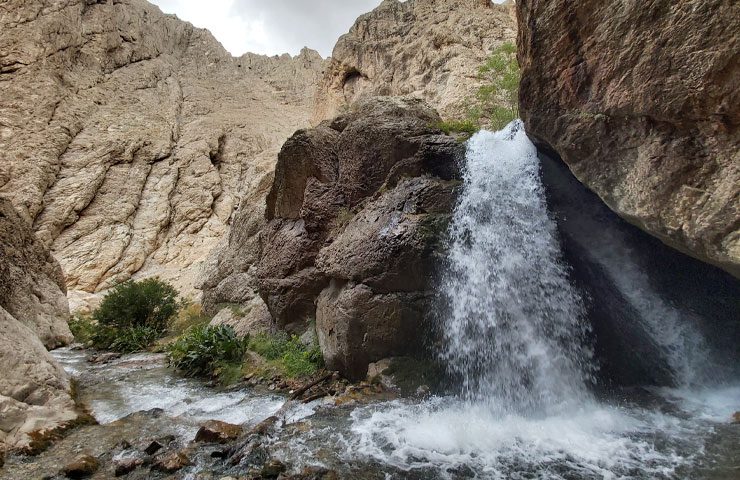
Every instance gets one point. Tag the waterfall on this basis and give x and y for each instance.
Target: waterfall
(514, 330)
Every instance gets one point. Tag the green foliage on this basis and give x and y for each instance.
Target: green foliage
(126, 339)
(149, 303)
(209, 351)
(288, 353)
(467, 127)
(83, 328)
(498, 99)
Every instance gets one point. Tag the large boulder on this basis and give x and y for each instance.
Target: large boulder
(640, 99)
(355, 216)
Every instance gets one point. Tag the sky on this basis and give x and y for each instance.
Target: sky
(272, 27)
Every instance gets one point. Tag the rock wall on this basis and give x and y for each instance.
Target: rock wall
(354, 215)
(35, 394)
(431, 49)
(641, 101)
(127, 135)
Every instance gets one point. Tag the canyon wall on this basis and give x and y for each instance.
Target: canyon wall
(430, 49)
(641, 101)
(128, 136)
(35, 393)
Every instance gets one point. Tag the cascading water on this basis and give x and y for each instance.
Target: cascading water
(514, 333)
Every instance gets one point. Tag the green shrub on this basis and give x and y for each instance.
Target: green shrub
(125, 340)
(149, 303)
(82, 327)
(208, 351)
(498, 98)
(288, 353)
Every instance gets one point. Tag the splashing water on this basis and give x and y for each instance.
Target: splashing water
(515, 331)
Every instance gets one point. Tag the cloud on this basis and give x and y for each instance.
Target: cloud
(272, 27)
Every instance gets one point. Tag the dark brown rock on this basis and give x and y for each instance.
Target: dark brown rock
(153, 448)
(640, 100)
(272, 469)
(172, 462)
(82, 467)
(354, 228)
(125, 466)
(214, 431)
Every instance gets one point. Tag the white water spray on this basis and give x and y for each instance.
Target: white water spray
(515, 332)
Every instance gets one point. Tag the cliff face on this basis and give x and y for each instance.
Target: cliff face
(35, 394)
(640, 100)
(127, 136)
(431, 49)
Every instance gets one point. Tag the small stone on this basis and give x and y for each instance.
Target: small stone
(82, 467)
(272, 469)
(215, 431)
(127, 465)
(153, 448)
(172, 462)
(102, 358)
(264, 426)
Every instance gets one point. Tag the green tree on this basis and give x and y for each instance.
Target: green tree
(150, 303)
(498, 98)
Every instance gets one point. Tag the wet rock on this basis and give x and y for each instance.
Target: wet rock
(125, 466)
(82, 467)
(736, 418)
(172, 462)
(153, 448)
(265, 426)
(272, 469)
(102, 358)
(215, 431)
(314, 473)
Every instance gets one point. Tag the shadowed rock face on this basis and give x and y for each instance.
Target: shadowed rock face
(31, 282)
(128, 136)
(35, 393)
(431, 49)
(354, 215)
(640, 100)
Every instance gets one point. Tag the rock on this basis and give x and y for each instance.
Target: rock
(651, 126)
(102, 358)
(736, 418)
(124, 466)
(35, 393)
(431, 49)
(355, 216)
(132, 137)
(32, 285)
(265, 426)
(215, 431)
(272, 469)
(153, 448)
(172, 462)
(82, 467)
(314, 473)
(251, 318)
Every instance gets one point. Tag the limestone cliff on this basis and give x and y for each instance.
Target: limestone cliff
(641, 101)
(127, 135)
(431, 49)
(35, 394)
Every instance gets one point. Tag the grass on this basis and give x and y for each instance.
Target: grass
(206, 351)
(288, 354)
(467, 127)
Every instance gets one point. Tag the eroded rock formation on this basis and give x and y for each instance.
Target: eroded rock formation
(127, 135)
(35, 394)
(354, 216)
(641, 101)
(431, 49)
